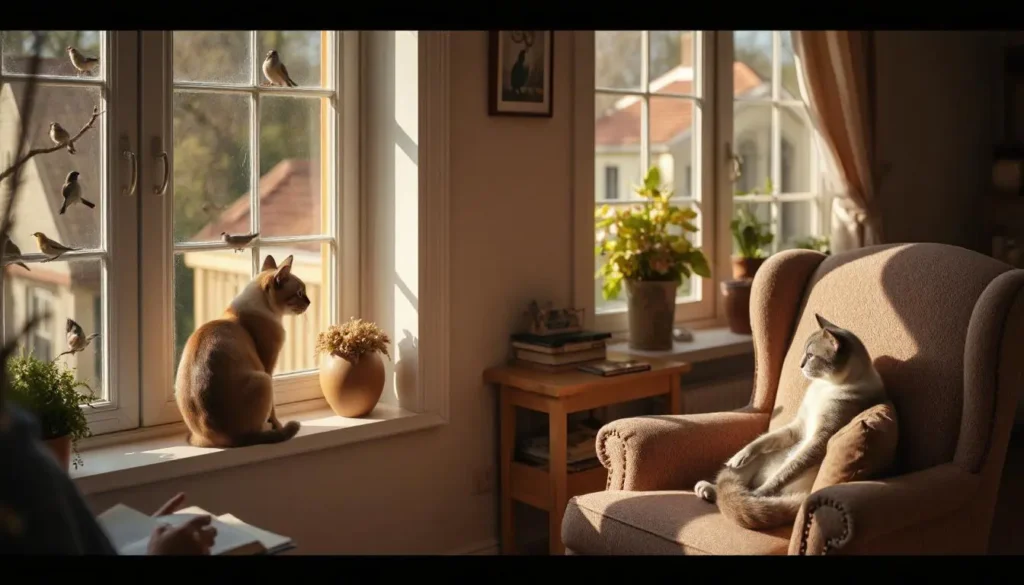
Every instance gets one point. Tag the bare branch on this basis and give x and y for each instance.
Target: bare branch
(7, 215)
(96, 113)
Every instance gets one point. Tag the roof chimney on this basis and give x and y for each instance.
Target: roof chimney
(686, 49)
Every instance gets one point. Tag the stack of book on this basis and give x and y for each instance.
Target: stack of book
(559, 352)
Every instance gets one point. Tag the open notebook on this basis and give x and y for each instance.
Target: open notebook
(129, 531)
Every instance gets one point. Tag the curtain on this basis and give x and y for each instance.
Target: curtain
(836, 72)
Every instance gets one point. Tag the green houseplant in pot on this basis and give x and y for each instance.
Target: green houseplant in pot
(645, 247)
(752, 238)
(351, 371)
(49, 390)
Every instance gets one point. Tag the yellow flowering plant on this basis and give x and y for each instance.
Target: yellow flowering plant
(352, 339)
(647, 242)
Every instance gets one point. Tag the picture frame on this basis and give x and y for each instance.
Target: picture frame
(521, 73)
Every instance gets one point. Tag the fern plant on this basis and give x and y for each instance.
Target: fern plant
(50, 392)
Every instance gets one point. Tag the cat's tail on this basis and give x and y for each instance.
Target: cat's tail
(739, 504)
(280, 435)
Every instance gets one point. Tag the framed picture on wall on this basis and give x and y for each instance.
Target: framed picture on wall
(521, 63)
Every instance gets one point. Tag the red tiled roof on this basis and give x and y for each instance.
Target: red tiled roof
(289, 206)
(669, 117)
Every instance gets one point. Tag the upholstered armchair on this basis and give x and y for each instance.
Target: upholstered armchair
(945, 326)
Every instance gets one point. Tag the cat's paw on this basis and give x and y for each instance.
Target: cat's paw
(705, 491)
(739, 459)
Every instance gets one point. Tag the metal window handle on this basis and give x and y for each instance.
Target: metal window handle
(134, 160)
(167, 174)
(736, 168)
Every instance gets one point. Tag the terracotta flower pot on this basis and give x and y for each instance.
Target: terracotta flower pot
(745, 267)
(651, 313)
(737, 304)
(352, 389)
(61, 449)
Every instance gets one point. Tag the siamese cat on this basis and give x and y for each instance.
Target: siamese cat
(765, 483)
(224, 386)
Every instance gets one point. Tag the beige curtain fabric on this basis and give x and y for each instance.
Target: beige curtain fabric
(836, 79)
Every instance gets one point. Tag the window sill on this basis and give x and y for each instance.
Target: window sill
(139, 458)
(707, 344)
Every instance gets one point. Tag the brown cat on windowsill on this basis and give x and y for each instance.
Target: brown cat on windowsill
(224, 387)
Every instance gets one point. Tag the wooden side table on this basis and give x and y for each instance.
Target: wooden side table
(560, 395)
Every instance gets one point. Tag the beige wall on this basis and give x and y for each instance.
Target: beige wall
(413, 493)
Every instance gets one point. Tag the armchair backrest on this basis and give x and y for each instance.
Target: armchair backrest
(937, 320)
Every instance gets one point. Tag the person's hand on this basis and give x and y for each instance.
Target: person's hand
(195, 537)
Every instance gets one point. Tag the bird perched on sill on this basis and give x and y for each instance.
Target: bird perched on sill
(77, 340)
(238, 242)
(51, 248)
(275, 71)
(82, 63)
(72, 192)
(12, 249)
(60, 136)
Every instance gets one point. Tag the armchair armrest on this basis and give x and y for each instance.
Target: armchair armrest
(866, 516)
(665, 452)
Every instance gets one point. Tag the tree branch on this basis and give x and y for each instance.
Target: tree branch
(96, 113)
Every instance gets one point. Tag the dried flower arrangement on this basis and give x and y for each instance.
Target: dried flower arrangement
(352, 339)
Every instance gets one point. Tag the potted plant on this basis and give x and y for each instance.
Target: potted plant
(645, 246)
(352, 373)
(49, 390)
(753, 238)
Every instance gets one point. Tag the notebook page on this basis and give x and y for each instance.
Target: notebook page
(126, 527)
(228, 537)
(269, 540)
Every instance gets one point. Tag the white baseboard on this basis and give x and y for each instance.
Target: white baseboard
(486, 547)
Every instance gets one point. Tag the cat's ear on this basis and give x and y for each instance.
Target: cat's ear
(268, 263)
(823, 322)
(283, 271)
(830, 337)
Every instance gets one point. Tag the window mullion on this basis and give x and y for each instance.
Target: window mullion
(254, 149)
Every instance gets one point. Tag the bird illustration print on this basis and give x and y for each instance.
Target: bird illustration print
(12, 249)
(275, 71)
(60, 137)
(77, 340)
(51, 248)
(238, 242)
(72, 193)
(80, 62)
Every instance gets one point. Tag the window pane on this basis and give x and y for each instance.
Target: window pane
(17, 50)
(212, 165)
(213, 56)
(752, 141)
(310, 264)
(299, 50)
(673, 148)
(752, 66)
(617, 143)
(797, 219)
(44, 175)
(69, 290)
(797, 150)
(291, 187)
(618, 57)
(787, 68)
(672, 66)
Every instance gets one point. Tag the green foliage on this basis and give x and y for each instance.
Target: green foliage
(819, 244)
(50, 392)
(639, 244)
(752, 236)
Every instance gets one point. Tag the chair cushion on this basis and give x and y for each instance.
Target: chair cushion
(666, 522)
(864, 449)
